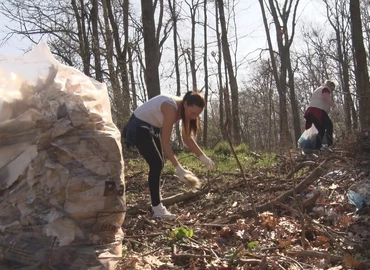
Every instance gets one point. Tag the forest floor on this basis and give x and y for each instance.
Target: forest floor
(294, 215)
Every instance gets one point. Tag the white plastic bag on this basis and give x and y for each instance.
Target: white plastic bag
(61, 168)
(307, 141)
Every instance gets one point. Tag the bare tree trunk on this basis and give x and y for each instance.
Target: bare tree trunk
(283, 115)
(193, 12)
(123, 106)
(82, 36)
(150, 48)
(122, 63)
(114, 80)
(95, 40)
(132, 78)
(174, 15)
(293, 102)
(222, 108)
(284, 42)
(205, 62)
(361, 70)
(339, 24)
(232, 79)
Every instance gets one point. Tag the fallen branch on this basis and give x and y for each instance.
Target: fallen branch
(299, 167)
(196, 256)
(181, 197)
(316, 254)
(301, 186)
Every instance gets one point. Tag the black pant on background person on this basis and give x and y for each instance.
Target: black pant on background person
(150, 147)
(323, 127)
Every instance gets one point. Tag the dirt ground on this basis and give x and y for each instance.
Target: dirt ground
(268, 219)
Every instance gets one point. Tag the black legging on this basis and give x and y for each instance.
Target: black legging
(325, 127)
(150, 147)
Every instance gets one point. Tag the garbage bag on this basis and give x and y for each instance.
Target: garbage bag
(307, 141)
(62, 191)
(359, 193)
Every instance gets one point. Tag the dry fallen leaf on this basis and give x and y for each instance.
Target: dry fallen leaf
(352, 262)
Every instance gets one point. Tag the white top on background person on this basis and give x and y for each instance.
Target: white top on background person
(321, 97)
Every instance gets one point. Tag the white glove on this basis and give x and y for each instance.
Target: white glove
(187, 177)
(181, 172)
(207, 162)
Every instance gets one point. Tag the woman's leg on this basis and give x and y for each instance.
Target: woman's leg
(328, 125)
(150, 148)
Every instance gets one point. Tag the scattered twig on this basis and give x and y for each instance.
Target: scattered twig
(143, 235)
(299, 167)
(151, 252)
(51, 253)
(196, 256)
(249, 189)
(312, 177)
(316, 254)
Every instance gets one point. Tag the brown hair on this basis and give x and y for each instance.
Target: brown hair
(192, 98)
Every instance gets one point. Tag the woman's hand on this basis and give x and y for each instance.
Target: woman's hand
(207, 162)
(181, 172)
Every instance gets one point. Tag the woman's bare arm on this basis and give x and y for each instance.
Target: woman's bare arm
(169, 119)
(191, 143)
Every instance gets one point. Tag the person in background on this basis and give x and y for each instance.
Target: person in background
(317, 113)
(150, 128)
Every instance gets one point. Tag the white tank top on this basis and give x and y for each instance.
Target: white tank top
(150, 111)
(317, 100)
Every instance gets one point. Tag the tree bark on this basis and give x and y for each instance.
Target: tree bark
(123, 106)
(95, 41)
(361, 70)
(222, 108)
(205, 63)
(113, 78)
(150, 48)
(232, 78)
(174, 16)
(132, 78)
(283, 115)
(84, 48)
(193, 12)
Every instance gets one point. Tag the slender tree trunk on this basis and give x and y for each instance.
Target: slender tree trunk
(232, 79)
(193, 12)
(84, 48)
(344, 75)
(123, 106)
(283, 115)
(222, 108)
(293, 102)
(205, 62)
(361, 70)
(132, 77)
(177, 68)
(122, 60)
(95, 40)
(150, 48)
(338, 19)
(114, 80)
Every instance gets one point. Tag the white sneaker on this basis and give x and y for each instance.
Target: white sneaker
(160, 211)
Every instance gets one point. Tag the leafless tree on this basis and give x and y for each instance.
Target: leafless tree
(284, 40)
(230, 71)
(338, 17)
